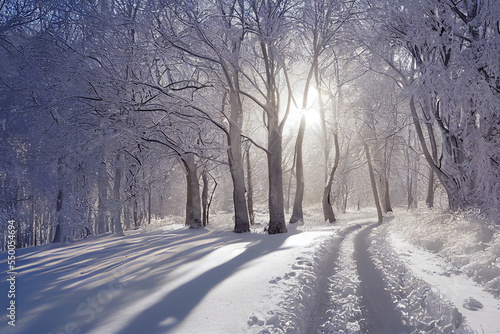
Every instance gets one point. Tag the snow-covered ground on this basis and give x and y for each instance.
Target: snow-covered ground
(456, 256)
(175, 280)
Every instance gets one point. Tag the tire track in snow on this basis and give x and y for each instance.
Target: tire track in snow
(320, 312)
(381, 315)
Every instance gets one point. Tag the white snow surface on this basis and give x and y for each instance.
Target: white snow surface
(458, 256)
(164, 280)
(456, 288)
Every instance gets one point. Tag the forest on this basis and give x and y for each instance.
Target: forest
(118, 113)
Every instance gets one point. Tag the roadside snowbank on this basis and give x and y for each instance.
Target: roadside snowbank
(470, 242)
(443, 270)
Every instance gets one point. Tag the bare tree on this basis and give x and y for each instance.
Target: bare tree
(213, 36)
(270, 23)
(321, 23)
(452, 88)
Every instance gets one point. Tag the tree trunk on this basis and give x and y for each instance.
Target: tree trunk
(135, 213)
(249, 188)
(275, 175)
(430, 185)
(429, 200)
(241, 221)
(415, 185)
(289, 188)
(297, 213)
(374, 184)
(127, 221)
(102, 189)
(345, 198)
(59, 215)
(451, 186)
(210, 200)
(58, 237)
(150, 204)
(383, 189)
(117, 204)
(328, 214)
(409, 183)
(204, 197)
(193, 203)
(274, 144)
(388, 206)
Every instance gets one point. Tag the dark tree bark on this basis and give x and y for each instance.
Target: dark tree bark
(249, 188)
(384, 194)
(235, 157)
(450, 185)
(102, 189)
(193, 203)
(135, 211)
(210, 199)
(328, 214)
(59, 204)
(429, 200)
(387, 201)
(58, 237)
(297, 213)
(275, 175)
(150, 205)
(373, 183)
(204, 197)
(274, 127)
(430, 185)
(117, 204)
(345, 198)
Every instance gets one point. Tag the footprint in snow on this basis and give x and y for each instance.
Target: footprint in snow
(253, 320)
(275, 280)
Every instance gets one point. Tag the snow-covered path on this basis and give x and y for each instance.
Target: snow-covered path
(319, 312)
(380, 311)
(315, 279)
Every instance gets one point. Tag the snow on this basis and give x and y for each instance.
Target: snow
(457, 288)
(164, 280)
(182, 281)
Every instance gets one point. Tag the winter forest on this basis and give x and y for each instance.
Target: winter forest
(116, 115)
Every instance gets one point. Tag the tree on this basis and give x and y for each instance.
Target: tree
(321, 23)
(445, 59)
(373, 183)
(212, 37)
(249, 186)
(270, 24)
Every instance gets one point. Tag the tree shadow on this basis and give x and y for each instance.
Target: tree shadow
(55, 292)
(51, 287)
(179, 303)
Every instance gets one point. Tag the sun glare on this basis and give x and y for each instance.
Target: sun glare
(311, 111)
